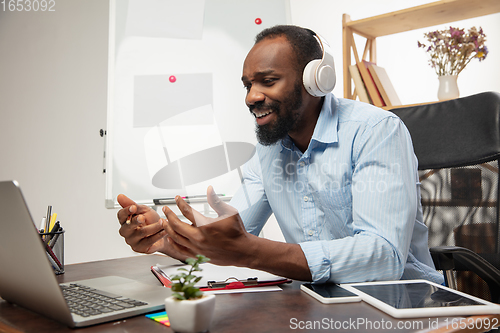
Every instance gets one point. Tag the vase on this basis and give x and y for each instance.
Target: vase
(448, 87)
(193, 315)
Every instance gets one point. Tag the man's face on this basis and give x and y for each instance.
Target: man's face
(274, 89)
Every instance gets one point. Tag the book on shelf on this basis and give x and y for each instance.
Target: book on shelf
(370, 83)
(359, 85)
(384, 85)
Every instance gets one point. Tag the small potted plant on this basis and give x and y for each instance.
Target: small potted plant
(189, 309)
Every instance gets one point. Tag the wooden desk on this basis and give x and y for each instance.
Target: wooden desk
(246, 312)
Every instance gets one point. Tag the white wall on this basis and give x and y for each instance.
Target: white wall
(53, 79)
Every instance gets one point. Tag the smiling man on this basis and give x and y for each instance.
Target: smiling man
(272, 75)
(339, 175)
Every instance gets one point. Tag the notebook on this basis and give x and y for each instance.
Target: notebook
(28, 280)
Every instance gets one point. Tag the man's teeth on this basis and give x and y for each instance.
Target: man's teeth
(261, 114)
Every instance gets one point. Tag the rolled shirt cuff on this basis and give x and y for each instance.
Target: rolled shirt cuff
(317, 256)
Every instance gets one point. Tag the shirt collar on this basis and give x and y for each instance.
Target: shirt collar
(325, 130)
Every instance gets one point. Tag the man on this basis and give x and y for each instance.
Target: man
(339, 175)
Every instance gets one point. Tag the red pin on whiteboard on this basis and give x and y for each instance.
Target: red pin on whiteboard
(172, 78)
(258, 20)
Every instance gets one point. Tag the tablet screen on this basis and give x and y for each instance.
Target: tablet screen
(415, 295)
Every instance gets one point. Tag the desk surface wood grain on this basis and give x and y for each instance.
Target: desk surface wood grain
(279, 311)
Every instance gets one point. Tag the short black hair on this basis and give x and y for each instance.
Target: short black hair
(302, 40)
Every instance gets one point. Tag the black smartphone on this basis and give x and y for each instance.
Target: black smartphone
(329, 293)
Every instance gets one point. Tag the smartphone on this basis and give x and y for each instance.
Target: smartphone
(329, 293)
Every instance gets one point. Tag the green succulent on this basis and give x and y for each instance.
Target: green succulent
(185, 289)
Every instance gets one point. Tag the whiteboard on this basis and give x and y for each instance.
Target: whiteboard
(177, 121)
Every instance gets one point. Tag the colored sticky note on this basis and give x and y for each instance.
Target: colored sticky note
(160, 317)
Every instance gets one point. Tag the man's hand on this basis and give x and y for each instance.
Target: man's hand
(141, 226)
(223, 239)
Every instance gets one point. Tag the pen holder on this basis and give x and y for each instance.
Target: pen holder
(53, 243)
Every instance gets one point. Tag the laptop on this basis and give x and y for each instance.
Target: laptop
(28, 280)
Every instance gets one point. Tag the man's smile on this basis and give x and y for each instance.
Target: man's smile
(263, 117)
(260, 114)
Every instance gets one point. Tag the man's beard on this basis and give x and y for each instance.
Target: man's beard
(286, 120)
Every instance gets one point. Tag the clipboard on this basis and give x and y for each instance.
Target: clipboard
(222, 277)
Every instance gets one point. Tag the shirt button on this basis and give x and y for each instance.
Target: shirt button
(311, 232)
(306, 198)
(302, 164)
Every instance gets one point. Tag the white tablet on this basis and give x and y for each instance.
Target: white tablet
(420, 298)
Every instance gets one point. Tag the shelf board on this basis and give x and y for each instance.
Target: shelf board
(435, 13)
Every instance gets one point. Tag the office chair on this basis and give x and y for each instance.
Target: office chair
(457, 143)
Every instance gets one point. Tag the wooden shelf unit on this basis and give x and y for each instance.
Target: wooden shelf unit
(440, 12)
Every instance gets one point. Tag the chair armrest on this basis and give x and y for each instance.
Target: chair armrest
(460, 258)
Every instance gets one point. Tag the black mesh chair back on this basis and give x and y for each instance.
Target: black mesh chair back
(457, 144)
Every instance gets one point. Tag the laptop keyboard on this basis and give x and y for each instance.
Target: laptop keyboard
(86, 301)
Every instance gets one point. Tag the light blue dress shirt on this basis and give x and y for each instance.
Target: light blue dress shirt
(351, 200)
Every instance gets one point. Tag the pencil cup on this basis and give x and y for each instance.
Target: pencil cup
(53, 243)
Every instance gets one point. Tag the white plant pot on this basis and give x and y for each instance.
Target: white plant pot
(190, 315)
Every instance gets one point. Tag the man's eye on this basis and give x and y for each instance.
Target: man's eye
(247, 87)
(269, 81)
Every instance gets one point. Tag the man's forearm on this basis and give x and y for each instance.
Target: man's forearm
(283, 259)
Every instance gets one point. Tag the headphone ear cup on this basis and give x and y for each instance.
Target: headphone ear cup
(326, 78)
(319, 74)
(309, 78)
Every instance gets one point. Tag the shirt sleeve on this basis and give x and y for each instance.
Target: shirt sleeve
(384, 208)
(250, 200)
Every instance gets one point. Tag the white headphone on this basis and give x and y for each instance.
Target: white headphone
(319, 74)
